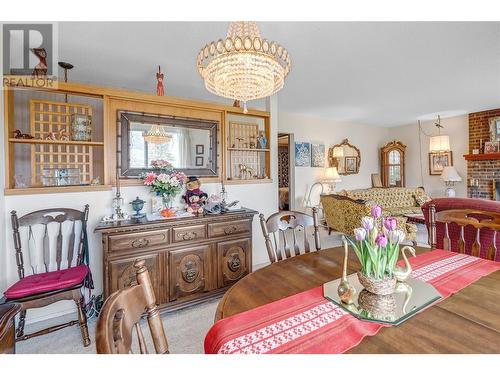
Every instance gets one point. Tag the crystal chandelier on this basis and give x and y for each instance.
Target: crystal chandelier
(157, 136)
(243, 66)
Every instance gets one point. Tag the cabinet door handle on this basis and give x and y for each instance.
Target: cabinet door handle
(189, 236)
(140, 242)
(230, 230)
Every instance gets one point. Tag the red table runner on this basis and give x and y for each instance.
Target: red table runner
(309, 323)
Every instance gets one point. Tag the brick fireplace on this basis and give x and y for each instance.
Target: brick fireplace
(484, 167)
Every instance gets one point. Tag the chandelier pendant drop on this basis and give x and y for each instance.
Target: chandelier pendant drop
(157, 136)
(243, 66)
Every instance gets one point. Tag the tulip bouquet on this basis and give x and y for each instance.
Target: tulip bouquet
(376, 244)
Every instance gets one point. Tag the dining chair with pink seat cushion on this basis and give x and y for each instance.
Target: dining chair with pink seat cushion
(51, 250)
(486, 235)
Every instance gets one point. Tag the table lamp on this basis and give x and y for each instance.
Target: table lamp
(450, 176)
(331, 177)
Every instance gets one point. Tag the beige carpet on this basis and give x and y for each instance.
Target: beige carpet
(185, 330)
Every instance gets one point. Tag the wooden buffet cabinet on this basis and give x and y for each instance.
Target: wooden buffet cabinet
(189, 259)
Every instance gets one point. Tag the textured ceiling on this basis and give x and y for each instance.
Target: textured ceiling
(374, 73)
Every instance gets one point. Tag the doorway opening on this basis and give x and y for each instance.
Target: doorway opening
(286, 157)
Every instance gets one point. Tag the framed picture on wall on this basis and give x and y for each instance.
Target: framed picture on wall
(439, 160)
(302, 154)
(318, 155)
(198, 161)
(495, 129)
(351, 164)
(491, 147)
(200, 149)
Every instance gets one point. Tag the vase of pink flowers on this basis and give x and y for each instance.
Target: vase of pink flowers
(376, 244)
(164, 181)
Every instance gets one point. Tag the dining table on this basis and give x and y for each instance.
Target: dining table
(468, 321)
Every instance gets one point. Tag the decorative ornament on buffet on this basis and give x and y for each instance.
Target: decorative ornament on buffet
(137, 206)
(117, 203)
(195, 199)
(243, 66)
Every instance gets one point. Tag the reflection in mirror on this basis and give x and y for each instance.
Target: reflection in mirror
(189, 145)
(345, 157)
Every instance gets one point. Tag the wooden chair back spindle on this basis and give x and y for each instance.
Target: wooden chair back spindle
(121, 315)
(289, 222)
(45, 218)
(480, 220)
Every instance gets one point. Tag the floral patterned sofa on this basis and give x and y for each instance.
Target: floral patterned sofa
(343, 211)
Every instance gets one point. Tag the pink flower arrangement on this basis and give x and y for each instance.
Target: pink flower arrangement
(167, 182)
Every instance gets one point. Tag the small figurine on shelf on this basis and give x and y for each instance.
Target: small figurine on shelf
(63, 135)
(51, 137)
(262, 140)
(95, 181)
(19, 135)
(195, 198)
(40, 68)
(160, 90)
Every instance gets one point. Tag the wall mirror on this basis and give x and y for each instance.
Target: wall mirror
(346, 157)
(190, 145)
(392, 158)
(494, 129)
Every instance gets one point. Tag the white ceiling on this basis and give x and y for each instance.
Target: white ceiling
(384, 73)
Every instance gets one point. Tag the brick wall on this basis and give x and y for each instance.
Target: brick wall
(485, 170)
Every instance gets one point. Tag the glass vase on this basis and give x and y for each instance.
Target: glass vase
(167, 201)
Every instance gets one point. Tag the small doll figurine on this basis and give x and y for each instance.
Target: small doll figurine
(195, 198)
(160, 91)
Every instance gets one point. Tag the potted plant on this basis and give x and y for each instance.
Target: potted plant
(164, 181)
(376, 244)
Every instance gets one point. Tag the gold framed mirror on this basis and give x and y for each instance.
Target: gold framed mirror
(345, 157)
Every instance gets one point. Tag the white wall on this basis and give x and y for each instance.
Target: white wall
(260, 197)
(417, 173)
(367, 138)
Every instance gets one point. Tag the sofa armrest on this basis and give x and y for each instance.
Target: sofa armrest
(343, 214)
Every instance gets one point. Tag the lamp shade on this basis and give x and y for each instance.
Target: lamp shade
(331, 174)
(439, 143)
(450, 174)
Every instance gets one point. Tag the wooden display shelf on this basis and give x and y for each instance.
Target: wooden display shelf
(56, 189)
(48, 142)
(494, 156)
(236, 181)
(248, 149)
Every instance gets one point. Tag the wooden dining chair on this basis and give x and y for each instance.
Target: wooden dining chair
(121, 315)
(284, 224)
(485, 223)
(52, 276)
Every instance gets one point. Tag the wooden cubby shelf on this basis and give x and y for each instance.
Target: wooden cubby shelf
(56, 189)
(249, 149)
(48, 142)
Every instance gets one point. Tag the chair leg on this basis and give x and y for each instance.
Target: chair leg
(329, 231)
(20, 327)
(82, 318)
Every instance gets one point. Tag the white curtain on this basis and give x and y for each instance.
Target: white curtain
(185, 148)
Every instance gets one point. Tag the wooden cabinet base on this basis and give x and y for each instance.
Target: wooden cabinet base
(190, 260)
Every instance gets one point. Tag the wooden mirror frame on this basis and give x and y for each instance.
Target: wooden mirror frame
(125, 117)
(334, 163)
(384, 161)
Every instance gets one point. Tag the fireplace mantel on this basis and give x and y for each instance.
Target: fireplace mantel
(495, 156)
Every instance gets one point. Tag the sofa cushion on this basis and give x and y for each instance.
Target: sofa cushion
(47, 282)
(400, 211)
(386, 197)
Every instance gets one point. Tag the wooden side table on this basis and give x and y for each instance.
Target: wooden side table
(7, 327)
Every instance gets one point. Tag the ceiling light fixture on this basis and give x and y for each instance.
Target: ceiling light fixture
(243, 66)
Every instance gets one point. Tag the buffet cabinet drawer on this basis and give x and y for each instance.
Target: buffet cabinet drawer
(189, 233)
(139, 240)
(228, 228)
(122, 273)
(190, 272)
(233, 261)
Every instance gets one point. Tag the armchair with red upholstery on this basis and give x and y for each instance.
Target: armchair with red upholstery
(486, 235)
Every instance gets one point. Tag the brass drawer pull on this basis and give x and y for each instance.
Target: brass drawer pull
(140, 242)
(230, 230)
(188, 235)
